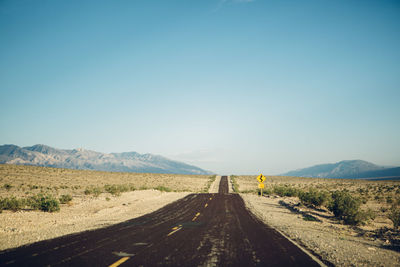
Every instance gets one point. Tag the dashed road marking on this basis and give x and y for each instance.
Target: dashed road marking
(119, 262)
(205, 206)
(195, 217)
(175, 229)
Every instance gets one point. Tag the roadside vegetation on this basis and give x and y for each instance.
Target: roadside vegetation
(211, 180)
(48, 189)
(41, 202)
(235, 183)
(352, 202)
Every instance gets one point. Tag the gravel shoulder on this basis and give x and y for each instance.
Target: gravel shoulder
(84, 213)
(215, 185)
(331, 242)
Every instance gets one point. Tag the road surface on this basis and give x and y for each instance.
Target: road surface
(198, 230)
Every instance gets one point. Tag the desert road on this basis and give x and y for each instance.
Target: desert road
(198, 230)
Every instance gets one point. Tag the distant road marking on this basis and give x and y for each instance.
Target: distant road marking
(195, 217)
(210, 198)
(205, 206)
(175, 229)
(119, 262)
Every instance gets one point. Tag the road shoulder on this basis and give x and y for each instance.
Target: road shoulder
(325, 240)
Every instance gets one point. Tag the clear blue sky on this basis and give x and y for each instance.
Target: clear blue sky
(230, 86)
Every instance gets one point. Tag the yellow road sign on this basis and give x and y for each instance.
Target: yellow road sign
(261, 178)
(260, 185)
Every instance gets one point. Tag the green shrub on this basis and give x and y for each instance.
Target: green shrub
(64, 199)
(314, 198)
(116, 190)
(285, 191)
(394, 216)
(45, 203)
(347, 208)
(12, 203)
(95, 191)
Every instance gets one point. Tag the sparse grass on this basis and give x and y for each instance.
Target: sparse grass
(64, 181)
(163, 189)
(211, 179)
(235, 183)
(394, 216)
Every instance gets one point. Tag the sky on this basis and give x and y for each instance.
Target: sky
(234, 86)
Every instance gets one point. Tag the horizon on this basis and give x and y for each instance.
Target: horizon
(230, 86)
(268, 174)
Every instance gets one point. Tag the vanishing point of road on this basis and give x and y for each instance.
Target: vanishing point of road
(198, 230)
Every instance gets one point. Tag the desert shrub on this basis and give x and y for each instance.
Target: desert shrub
(116, 190)
(163, 188)
(285, 191)
(394, 216)
(347, 208)
(314, 198)
(12, 203)
(64, 199)
(44, 202)
(389, 199)
(95, 191)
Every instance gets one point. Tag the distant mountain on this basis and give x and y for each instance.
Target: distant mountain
(42, 155)
(346, 169)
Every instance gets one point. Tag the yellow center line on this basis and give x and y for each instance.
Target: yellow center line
(119, 262)
(205, 206)
(195, 217)
(175, 229)
(210, 198)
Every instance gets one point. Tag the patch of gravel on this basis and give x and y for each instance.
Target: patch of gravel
(215, 185)
(335, 244)
(84, 213)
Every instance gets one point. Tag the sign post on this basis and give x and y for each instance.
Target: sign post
(261, 179)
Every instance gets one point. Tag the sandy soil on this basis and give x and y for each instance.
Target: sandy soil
(84, 213)
(334, 243)
(215, 185)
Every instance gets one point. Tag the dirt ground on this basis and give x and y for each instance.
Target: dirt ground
(22, 181)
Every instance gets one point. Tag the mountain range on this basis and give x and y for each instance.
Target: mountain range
(352, 169)
(42, 155)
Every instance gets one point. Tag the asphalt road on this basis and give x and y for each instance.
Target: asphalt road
(198, 230)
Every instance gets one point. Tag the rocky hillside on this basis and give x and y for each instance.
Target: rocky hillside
(346, 169)
(42, 155)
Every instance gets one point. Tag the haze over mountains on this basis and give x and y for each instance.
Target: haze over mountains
(42, 155)
(347, 169)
